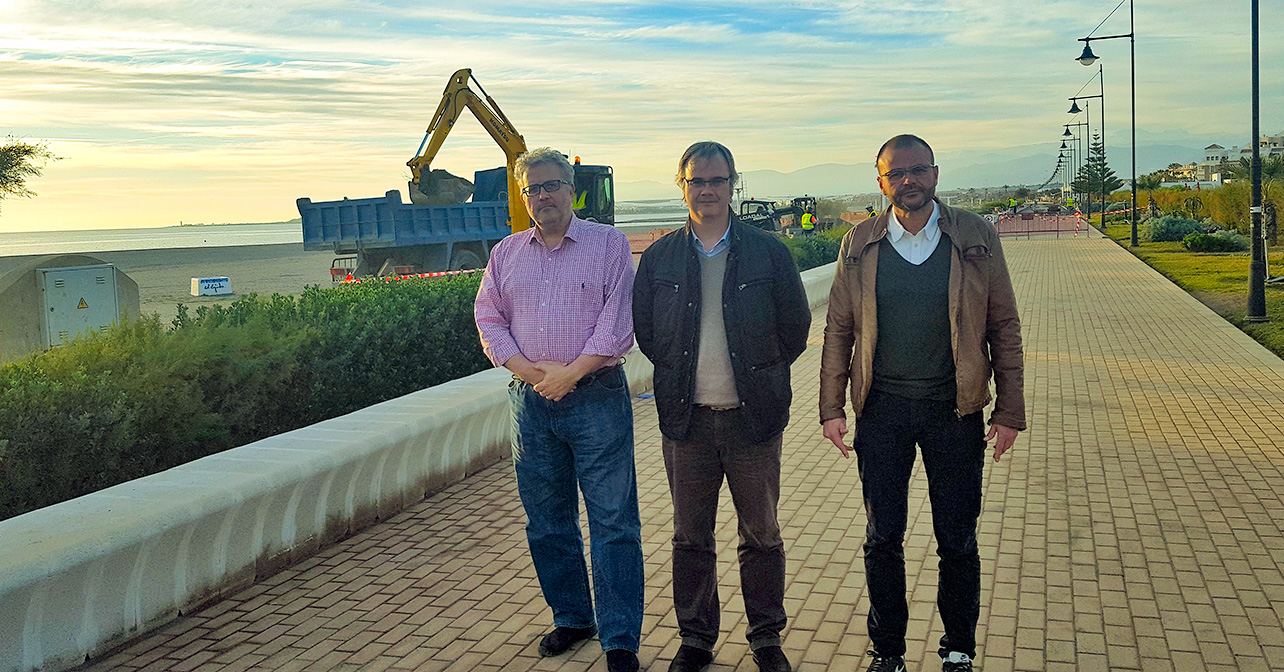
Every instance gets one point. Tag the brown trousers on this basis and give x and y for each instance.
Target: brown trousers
(717, 447)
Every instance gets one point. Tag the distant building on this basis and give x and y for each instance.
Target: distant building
(1186, 173)
(1215, 156)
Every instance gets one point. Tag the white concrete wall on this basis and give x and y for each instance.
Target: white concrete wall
(80, 577)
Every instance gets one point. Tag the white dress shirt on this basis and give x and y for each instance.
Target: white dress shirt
(917, 247)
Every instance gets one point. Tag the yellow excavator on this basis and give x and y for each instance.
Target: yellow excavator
(428, 187)
(593, 184)
(438, 230)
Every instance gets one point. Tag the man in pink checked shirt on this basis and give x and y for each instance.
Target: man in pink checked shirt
(555, 308)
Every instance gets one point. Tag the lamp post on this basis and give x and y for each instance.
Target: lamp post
(1088, 58)
(1074, 109)
(1080, 160)
(1256, 267)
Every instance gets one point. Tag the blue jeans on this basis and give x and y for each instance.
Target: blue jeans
(586, 439)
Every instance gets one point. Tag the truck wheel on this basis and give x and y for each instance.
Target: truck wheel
(466, 260)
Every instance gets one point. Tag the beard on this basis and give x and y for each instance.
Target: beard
(905, 199)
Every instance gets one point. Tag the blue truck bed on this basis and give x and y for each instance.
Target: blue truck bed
(349, 225)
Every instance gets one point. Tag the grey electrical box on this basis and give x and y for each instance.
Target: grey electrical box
(78, 299)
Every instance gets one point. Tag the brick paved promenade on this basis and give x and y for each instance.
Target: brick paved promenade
(1137, 525)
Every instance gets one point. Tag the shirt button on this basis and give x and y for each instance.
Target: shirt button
(541, 328)
(543, 304)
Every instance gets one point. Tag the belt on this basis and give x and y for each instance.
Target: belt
(715, 409)
(594, 375)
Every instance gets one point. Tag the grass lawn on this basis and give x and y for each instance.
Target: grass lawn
(1218, 280)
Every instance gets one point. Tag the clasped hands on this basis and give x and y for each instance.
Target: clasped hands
(551, 380)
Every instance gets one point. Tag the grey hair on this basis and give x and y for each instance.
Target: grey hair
(904, 141)
(706, 150)
(540, 156)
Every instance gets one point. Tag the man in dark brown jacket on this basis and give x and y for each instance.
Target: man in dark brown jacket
(921, 315)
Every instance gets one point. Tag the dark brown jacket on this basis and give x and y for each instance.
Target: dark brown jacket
(985, 332)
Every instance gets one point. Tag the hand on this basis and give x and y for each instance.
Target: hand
(528, 372)
(558, 380)
(1006, 437)
(835, 429)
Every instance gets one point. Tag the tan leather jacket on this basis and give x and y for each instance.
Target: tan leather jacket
(985, 331)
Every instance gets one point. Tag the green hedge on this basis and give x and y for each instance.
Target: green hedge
(1217, 241)
(812, 251)
(1168, 229)
(144, 397)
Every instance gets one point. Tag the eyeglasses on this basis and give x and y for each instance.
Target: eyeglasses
(921, 170)
(700, 183)
(551, 186)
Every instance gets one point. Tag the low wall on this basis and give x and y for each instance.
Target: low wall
(80, 577)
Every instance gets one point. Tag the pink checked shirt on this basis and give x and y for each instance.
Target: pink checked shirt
(554, 305)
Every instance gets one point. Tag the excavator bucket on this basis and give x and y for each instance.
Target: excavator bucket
(439, 187)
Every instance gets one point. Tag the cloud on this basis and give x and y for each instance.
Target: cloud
(322, 97)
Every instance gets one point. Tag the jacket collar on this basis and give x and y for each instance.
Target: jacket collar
(871, 231)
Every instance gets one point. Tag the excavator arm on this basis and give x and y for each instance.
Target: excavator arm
(454, 100)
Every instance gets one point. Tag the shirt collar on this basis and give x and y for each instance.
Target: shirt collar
(723, 243)
(573, 232)
(931, 230)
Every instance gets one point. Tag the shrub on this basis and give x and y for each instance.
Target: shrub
(1167, 229)
(140, 398)
(812, 251)
(1217, 241)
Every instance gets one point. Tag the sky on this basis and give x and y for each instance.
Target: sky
(169, 111)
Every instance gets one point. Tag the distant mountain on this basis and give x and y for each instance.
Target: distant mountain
(1029, 165)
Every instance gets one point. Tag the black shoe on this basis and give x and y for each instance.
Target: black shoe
(886, 663)
(771, 659)
(619, 660)
(690, 659)
(961, 663)
(560, 640)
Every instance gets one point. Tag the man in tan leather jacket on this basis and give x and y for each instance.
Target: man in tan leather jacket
(921, 315)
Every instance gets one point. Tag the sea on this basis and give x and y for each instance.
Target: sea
(630, 218)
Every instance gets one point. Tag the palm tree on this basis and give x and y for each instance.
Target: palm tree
(1272, 169)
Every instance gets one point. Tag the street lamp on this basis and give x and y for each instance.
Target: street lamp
(1257, 266)
(1080, 159)
(1074, 109)
(1088, 58)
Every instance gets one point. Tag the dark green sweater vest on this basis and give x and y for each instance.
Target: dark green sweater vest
(913, 358)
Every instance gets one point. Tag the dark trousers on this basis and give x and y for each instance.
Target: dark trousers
(954, 456)
(718, 447)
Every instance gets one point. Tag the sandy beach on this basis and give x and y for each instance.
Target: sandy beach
(164, 276)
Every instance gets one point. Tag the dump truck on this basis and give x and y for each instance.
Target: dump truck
(450, 223)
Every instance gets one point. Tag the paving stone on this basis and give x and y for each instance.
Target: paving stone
(1135, 525)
